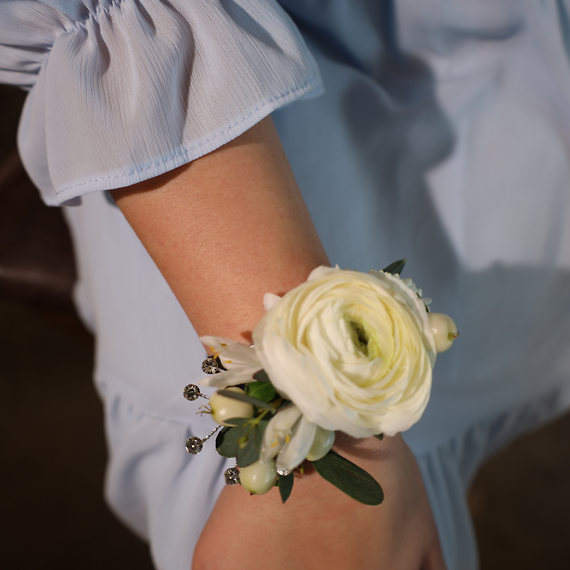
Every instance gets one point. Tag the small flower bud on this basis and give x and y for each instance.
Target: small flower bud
(444, 331)
(322, 444)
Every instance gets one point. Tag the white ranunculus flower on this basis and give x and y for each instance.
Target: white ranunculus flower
(353, 351)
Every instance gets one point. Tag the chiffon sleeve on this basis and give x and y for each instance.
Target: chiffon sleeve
(124, 90)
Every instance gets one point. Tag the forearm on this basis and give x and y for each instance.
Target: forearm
(226, 229)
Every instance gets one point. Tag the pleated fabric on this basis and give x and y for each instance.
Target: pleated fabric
(126, 90)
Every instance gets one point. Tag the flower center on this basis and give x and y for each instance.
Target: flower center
(364, 338)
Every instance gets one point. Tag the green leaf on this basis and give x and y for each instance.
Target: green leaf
(261, 376)
(245, 398)
(285, 485)
(261, 390)
(249, 444)
(349, 478)
(247, 451)
(379, 435)
(227, 441)
(395, 268)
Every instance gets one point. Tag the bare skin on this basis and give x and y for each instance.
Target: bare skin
(321, 527)
(224, 230)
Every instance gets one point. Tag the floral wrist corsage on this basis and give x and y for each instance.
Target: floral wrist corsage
(345, 351)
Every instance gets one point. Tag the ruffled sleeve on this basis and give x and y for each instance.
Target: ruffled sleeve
(125, 90)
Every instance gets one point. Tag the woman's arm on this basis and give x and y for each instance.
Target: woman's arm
(224, 230)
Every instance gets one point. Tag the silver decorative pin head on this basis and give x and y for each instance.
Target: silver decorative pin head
(192, 392)
(212, 365)
(194, 445)
(231, 476)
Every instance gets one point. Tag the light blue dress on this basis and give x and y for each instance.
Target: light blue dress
(442, 135)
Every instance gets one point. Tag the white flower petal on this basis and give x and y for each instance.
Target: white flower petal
(232, 354)
(278, 431)
(270, 300)
(232, 377)
(296, 450)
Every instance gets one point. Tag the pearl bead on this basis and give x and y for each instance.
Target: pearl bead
(444, 331)
(224, 408)
(258, 478)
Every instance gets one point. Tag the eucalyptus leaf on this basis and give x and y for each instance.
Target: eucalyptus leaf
(227, 441)
(248, 447)
(245, 398)
(261, 376)
(262, 390)
(395, 268)
(285, 485)
(379, 435)
(349, 478)
(249, 442)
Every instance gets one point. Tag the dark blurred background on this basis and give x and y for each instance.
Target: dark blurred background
(51, 420)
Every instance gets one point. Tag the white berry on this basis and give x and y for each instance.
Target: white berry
(444, 331)
(258, 478)
(324, 439)
(224, 408)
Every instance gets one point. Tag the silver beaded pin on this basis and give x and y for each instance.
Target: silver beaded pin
(192, 392)
(194, 444)
(231, 476)
(212, 365)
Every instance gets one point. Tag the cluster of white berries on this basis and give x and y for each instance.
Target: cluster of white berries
(259, 477)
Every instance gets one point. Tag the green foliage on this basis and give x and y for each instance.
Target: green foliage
(285, 485)
(227, 441)
(248, 449)
(245, 398)
(261, 390)
(395, 268)
(349, 478)
(249, 444)
(242, 441)
(379, 435)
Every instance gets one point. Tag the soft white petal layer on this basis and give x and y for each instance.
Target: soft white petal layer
(232, 354)
(296, 450)
(233, 377)
(279, 428)
(270, 300)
